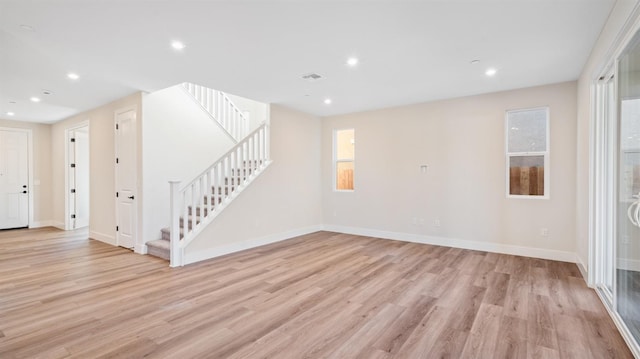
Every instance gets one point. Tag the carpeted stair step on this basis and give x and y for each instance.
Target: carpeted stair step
(159, 248)
(166, 233)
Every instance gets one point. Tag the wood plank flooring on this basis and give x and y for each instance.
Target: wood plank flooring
(323, 295)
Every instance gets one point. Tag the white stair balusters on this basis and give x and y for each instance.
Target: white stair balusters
(195, 204)
(221, 109)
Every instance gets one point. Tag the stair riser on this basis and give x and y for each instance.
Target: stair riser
(166, 234)
(159, 252)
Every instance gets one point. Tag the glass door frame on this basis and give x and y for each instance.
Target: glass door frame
(604, 178)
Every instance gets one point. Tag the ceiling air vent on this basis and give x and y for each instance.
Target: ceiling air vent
(311, 77)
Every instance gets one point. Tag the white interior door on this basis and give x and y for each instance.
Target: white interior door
(82, 177)
(78, 178)
(126, 207)
(71, 179)
(14, 179)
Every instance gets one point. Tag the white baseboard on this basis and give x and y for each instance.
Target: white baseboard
(140, 248)
(629, 264)
(102, 237)
(58, 224)
(84, 222)
(192, 257)
(40, 224)
(582, 268)
(459, 243)
(542, 253)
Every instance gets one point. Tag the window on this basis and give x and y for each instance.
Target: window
(343, 155)
(528, 153)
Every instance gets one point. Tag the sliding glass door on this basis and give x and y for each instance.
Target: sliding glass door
(627, 211)
(615, 199)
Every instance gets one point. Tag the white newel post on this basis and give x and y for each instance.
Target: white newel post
(176, 252)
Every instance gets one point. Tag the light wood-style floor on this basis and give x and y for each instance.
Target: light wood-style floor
(323, 295)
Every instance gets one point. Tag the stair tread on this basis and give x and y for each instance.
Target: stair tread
(167, 230)
(159, 243)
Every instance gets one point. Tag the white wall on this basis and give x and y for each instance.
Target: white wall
(462, 142)
(41, 190)
(179, 142)
(102, 223)
(285, 200)
(594, 65)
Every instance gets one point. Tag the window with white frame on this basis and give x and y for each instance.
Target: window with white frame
(344, 159)
(527, 152)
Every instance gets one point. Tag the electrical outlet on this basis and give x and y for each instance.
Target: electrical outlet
(436, 223)
(414, 221)
(625, 239)
(544, 232)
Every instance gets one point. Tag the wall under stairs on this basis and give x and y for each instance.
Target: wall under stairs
(282, 202)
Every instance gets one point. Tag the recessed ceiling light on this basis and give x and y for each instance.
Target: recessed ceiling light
(26, 27)
(490, 71)
(12, 102)
(474, 62)
(177, 45)
(47, 92)
(73, 76)
(10, 113)
(352, 61)
(327, 101)
(35, 99)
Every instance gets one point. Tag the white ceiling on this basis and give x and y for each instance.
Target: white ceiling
(409, 51)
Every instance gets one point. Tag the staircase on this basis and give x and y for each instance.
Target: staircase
(220, 108)
(197, 203)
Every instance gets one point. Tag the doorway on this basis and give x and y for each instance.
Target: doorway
(78, 169)
(14, 178)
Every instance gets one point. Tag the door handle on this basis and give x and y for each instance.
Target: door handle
(131, 197)
(632, 213)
